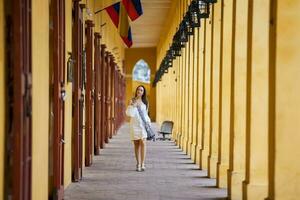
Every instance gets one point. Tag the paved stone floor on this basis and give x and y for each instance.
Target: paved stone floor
(170, 174)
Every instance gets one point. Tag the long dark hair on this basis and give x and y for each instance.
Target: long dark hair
(144, 97)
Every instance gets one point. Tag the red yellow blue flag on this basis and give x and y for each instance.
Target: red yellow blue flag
(119, 16)
(113, 11)
(133, 8)
(124, 27)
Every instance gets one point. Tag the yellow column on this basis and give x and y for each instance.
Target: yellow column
(240, 101)
(176, 122)
(180, 100)
(40, 98)
(258, 174)
(186, 98)
(287, 103)
(2, 96)
(190, 67)
(183, 110)
(200, 89)
(226, 90)
(195, 94)
(215, 89)
(207, 95)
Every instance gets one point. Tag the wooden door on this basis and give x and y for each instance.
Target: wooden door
(113, 98)
(19, 109)
(89, 97)
(103, 96)
(106, 97)
(58, 93)
(109, 100)
(97, 65)
(78, 97)
(111, 95)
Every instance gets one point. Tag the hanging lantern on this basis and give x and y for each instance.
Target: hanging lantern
(177, 41)
(176, 49)
(203, 9)
(194, 14)
(183, 33)
(170, 63)
(188, 24)
(173, 53)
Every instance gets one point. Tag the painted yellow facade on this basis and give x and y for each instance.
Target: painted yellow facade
(246, 102)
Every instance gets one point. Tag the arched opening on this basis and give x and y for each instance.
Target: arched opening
(141, 72)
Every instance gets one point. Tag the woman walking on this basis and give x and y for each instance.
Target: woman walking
(138, 132)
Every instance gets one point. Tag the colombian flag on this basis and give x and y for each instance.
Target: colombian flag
(113, 11)
(118, 14)
(133, 8)
(124, 27)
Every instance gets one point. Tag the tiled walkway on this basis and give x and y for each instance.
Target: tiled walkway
(169, 174)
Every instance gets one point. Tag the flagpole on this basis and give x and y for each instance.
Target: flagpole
(99, 11)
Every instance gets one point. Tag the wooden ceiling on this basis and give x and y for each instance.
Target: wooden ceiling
(147, 28)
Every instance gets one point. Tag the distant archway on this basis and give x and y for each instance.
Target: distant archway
(141, 72)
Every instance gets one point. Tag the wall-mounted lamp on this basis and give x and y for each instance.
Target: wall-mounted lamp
(70, 68)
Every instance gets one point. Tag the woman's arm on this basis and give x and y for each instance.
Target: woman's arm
(147, 115)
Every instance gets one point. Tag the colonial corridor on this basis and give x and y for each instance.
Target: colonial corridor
(170, 174)
(226, 72)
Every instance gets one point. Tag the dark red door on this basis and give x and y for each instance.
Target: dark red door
(106, 97)
(89, 94)
(109, 81)
(19, 109)
(78, 97)
(113, 72)
(58, 54)
(97, 64)
(103, 96)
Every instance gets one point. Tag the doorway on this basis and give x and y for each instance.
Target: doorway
(18, 100)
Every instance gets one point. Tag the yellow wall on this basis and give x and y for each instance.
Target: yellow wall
(40, 98)
(132, 56)
(2, 97)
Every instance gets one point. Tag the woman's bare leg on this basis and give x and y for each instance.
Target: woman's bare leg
(143, 151)
(136, 151)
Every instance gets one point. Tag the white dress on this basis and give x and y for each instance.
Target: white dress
(137, 129)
